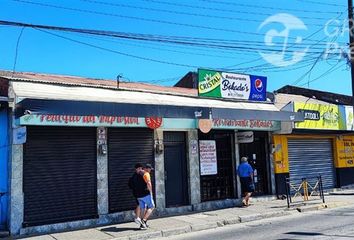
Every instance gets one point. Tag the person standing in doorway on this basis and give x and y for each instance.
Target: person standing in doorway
(146, 202)
(245, 172)
(134, 181)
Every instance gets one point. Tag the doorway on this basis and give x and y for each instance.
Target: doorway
(257, 157)
(176, 183)
(219, 186)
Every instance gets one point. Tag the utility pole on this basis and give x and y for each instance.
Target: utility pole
(351, 44)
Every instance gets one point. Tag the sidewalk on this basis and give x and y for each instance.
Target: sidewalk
(168, 226)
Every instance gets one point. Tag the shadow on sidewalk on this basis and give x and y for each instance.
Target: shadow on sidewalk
(117, 229)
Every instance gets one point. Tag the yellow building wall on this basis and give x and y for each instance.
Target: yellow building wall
(281, 161)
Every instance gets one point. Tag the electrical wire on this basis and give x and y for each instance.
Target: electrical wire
(144, 38)
(329, 71)
(322, 3)
(118, 52)
(264, 7)
(16, 50)
(193, 14)
(136, 18)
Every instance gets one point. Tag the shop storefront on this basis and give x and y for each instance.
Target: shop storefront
(59, 175)
(126, 147)
(78, 150)
(316, 146)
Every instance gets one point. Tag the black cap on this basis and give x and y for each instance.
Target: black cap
(138, 165)
(148, 165)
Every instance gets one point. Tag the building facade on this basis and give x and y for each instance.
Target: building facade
(320, 145)
(76, 142)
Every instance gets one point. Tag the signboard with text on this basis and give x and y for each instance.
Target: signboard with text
(320, 116)
(245, 137)
(151, 122)
(344, 151)
(231, 85)
(208, 160)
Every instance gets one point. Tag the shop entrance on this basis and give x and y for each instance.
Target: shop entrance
(126, 147)
(176, 187)
(59, 175)
(221, 185)
(257, 157)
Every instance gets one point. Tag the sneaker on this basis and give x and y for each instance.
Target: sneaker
(146, 224)
(143, 226)
(138, 221)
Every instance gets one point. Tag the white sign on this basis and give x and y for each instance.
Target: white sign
(208, 160)
(235, 86)
(19, 135)
(349, 118)
(245, 137)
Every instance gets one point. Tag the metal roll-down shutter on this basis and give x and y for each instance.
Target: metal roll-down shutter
(126, 147)
(310, 158)
(59, 175)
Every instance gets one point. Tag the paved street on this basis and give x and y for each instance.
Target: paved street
(326, 224)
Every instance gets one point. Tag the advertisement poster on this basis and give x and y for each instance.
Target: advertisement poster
(231, 85)
(320, 116)
(345, 151)
(208, 160)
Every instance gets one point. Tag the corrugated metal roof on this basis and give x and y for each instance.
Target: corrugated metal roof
(96, 83)
(80, 93)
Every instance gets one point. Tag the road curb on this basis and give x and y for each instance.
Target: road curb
(322, 206)
(205, 226)
(176, 231)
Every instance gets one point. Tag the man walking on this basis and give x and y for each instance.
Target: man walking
(146, 201)
(133, 184)
(245, 173)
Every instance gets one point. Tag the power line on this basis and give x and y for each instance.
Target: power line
(135, 18)
(322, 3)
(264, 7)
(193, 14)
(143, 37)
(118, 52)
(329, 71)
(16, 51)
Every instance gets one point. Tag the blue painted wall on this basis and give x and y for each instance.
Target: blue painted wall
(3, 167)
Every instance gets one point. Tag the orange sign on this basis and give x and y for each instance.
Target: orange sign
(205, 125)
(153, 122)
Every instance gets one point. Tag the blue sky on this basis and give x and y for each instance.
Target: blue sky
(237, 21)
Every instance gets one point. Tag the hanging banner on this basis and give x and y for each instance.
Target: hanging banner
(208, 160)
(231, 85)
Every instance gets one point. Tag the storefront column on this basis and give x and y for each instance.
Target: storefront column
(102, 172)
(271, 163)
(237, 157)
(159, 172)
(193, 167)
(16, 187)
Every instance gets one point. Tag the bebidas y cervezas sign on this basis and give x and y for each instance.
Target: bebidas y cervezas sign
(231, 85)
